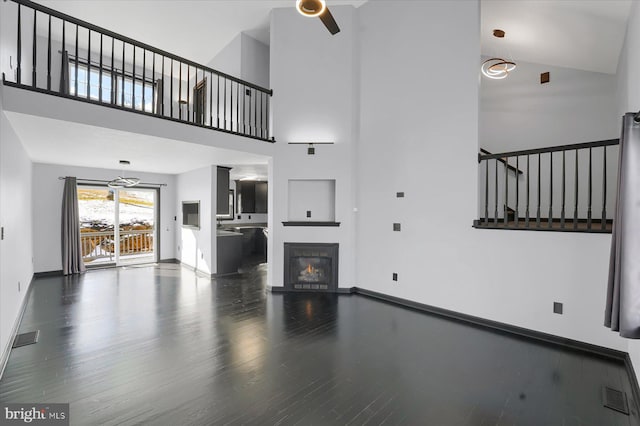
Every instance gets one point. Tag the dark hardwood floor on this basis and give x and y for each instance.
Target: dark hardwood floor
(160, 345)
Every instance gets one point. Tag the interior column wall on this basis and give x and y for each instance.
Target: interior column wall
(16, 212)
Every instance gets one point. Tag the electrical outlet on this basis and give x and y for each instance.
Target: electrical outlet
(239, 216)
(400, 194)
(395, 276)
(2, 233)
(396, 227)
(247, 92)
(249, 216)
(18, 286)
(308, 213)
(557, 308)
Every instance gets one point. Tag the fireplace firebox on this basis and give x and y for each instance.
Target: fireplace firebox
(311, 267)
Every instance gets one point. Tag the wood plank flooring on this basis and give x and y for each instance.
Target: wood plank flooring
(160, 345)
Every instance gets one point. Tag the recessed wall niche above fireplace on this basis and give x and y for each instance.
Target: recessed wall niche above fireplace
(311, 267)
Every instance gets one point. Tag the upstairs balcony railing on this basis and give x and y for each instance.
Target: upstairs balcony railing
(561, 188)
(58, 54)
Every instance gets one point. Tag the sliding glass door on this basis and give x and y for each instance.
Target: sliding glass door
(117, 226)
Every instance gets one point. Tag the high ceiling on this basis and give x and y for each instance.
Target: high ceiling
(196, 30)
(581, 34)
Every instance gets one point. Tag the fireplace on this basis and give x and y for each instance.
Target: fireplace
(311, 267)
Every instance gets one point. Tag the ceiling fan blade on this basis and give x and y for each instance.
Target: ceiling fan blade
(327, 19)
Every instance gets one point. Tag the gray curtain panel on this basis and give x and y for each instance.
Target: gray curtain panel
(64, 74)
(623, 294)
(71, 249)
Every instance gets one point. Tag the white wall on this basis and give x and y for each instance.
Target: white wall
(229, 59)
(16, 249)
(419, 134)
(520, 113)
(197, 247)
(254, 61)
(313, 75)
(629, 101)
(47, 202)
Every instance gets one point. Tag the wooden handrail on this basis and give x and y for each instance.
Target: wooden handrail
(558, 148)
(502, 160)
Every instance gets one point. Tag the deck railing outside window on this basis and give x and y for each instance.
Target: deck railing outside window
(561, 188)
(58, 54)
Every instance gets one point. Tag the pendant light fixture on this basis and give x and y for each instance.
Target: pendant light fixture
(497, 68)
(123, 182)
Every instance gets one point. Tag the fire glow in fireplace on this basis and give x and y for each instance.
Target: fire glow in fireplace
(311, 266)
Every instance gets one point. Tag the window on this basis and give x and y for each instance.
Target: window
(110, 79)
(94, 78)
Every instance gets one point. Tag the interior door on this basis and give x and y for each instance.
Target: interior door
(200, 101)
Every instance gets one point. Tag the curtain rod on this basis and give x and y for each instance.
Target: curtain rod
(107, 181)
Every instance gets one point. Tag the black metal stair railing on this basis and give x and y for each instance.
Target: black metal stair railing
(54, 53)
(565, 188)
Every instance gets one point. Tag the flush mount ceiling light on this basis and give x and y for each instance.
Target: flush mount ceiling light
(497, 68)
(313, 8)
(123, 182)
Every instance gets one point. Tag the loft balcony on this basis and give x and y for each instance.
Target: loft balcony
(50, 52)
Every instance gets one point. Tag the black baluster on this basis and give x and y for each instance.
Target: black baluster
(162, 91)
(244, 109)
(266, 114)
(62, 80)
(517, 212)
(188, 93)
(526, 218)
(255, 113)
(237, 107)
(210, 99)
(590, 183)
(171, 91)
(133, 79)
(564, 190)
(89, 65)
(144, 78)
(538, 208)
(49, 56)
(506, 191)
(100, 72)
(180, 91)
(495, 209)
(153, 84)
(123, 71)
(231, 105)
(486, 192)
(603, 225)
(19, 42)
(35, 56)
(218, 103)
(224, 105)
(76, 62)
(114, 80)
(575, 208)
(550, 220)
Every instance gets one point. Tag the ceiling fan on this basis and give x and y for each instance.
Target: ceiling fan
(313, 8)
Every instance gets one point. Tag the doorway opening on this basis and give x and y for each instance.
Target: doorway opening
(118, 226)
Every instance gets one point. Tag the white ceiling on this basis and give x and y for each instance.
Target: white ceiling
(581, 34)
(195, 30)
(90, 146)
